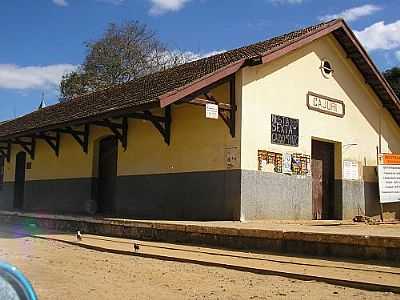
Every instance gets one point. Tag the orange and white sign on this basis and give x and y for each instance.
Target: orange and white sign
(389, 177)
(389, 159)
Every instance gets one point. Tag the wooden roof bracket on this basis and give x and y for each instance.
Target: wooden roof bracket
(161, 123)
(167, 125)
(29, 147)
(52, 141)
(80, 136)
(227, 112)
(120, 130)
(5, 151)
(232, 113)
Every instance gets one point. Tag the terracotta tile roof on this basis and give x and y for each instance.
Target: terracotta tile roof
(145, 90)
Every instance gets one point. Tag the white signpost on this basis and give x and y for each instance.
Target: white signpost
(211, 111)
(389, 178)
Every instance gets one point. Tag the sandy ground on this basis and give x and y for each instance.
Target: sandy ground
(60, 271)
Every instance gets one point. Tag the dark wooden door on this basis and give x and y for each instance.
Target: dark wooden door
(107, 174)
(19, 187)
(322, 180)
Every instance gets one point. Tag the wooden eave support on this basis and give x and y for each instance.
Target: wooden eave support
(52, 140)
(80, 136)
(232, 100)
(204, 102)
(226, 111)
(5, 151)
(28, 147)
(120, 130)
(161, 123)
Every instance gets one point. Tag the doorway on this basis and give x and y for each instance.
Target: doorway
(323, 200)
(19, 182)
(107, 174)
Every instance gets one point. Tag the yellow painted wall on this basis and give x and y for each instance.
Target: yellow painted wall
(72, 162)
(281, 88)
(197, 144)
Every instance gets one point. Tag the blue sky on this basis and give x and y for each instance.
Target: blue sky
(42, 39)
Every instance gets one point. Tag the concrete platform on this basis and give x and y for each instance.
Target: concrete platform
(328, 238)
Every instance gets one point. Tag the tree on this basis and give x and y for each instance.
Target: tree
(123, 53)
(393, 77)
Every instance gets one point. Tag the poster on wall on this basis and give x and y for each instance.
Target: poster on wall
(287, 163)
(231, 157)
(284, 131)
(350, 170)
(389, 178)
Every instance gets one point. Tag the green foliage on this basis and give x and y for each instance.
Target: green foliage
(74, 84)
(393, 77)
(123, 53)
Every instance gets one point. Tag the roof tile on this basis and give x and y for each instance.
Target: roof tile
(144, 90)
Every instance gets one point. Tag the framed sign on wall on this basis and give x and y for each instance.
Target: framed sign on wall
(326, 105)
(389, 177)
(284, 131)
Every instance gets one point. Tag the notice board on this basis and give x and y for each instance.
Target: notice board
(350, 170)
(284, 131)
(389, 178)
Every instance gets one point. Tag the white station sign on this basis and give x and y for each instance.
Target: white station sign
(389, 178)
(211, 111)
(325, 105)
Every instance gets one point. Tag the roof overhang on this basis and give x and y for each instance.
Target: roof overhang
(204, 82)
(344, 36)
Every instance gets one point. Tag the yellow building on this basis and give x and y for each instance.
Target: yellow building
(288, 128)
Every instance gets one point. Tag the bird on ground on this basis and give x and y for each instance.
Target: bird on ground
(79, 236)
(136, 247)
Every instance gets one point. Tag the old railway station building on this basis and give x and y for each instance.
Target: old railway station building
(288, 128)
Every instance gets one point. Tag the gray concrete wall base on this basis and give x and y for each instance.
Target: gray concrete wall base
(351, 198)
(182, 196)
(362, 198)
(6, 196)
(213, 195)
(60, 195)
(275, 196)
(391, 211)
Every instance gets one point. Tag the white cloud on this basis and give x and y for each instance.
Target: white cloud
(160, 7)
(65, 3)
(287, 1)
(195, 56)
(354, 13)
(380, 36)
(178, 57)
(60, 2)
(114, 2)
(32, 77)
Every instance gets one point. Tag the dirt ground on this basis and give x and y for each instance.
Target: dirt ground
(61, 271)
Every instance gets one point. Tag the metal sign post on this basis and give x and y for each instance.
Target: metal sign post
(379, 195)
